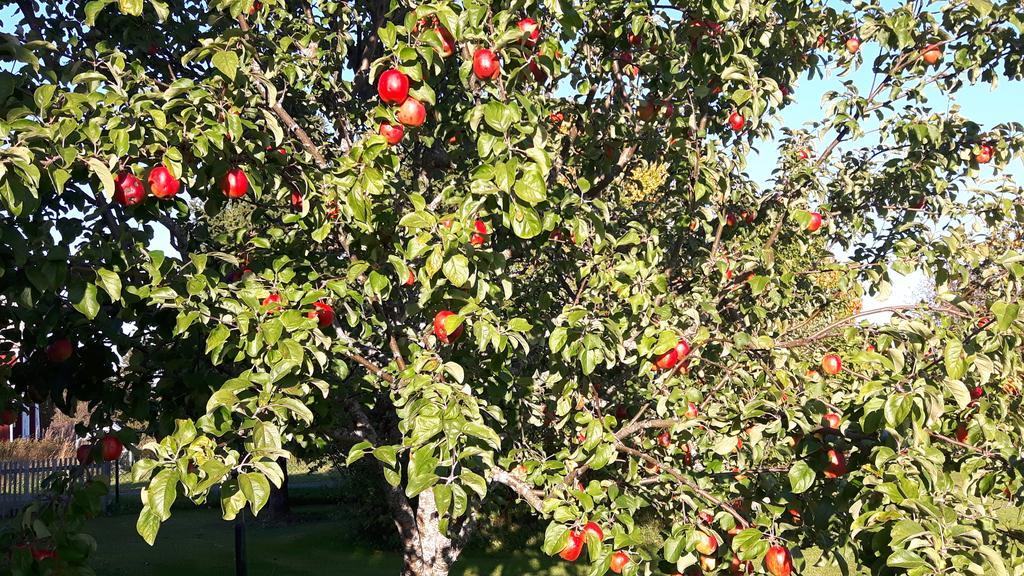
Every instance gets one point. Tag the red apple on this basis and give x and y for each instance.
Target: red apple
(815, 222)
(111, 448)
(708, 564)
(447, 42)
(619, 561)
(984, 155)
(961, 433)
(323, 312)
(794, 516)
(853, 45)
(804, 153)
(392, 133)
(272, 303)
(84, 454)
(831, 420)
(480, 235)
(931, 54)
(573, 547)
(128, 190)
(664, 439)
(531, 30)
(691, 410)
(634, 39)
(977, 392)
(411, 112)
(730, 219)
(836, 464)
(706, 543)
(40, 554)
(59, 350)
(485, 64)
(621, 412)
(737, 121)
(831, 364)
(235, 183)
(667, 360)
(593, 528)
(683, 349)
(778, 561)
(738, 567)
(393, 87)
(410, 278)
(439, 330)
(162, 183)
(296, 200)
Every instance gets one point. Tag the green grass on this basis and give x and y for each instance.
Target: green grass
(199, 543)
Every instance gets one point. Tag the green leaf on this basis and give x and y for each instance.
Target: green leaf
(1005, 314)
(474, 481)
(110, 282)
(956, 366)
(92, 9)
(148, 525)
(897, 408)
(531, 187)
(555, 538)
(801, 477)
(256, 489)
(227, 62)
(83, 298)
(217, 337)
(44, 95)
(130, 7)
(456, 270)
(526, 223)
(905, 559)
(106, 178)
(422, 464)
(557, 338)
(162, 491)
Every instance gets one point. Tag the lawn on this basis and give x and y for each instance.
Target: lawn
(199, 543)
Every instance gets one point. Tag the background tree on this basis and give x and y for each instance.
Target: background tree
(514, 244)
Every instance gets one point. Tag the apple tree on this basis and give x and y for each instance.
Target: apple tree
(514, 249)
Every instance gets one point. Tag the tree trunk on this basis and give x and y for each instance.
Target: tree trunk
(426, 551)
(278, 506)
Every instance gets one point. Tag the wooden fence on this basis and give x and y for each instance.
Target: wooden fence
(22, 480)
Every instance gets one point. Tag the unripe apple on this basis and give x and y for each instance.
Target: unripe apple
(411, 113)
(530, 29)
(111, 448)
(480, 233)
(323, 312)
(392, 133)
(778, 561)
(619, 561)
(573, 547)
(836, 464)
(59, 350)
(128, 190)
(393, 87)
(440, 331)
(853, 45)
(235, 183)
(831, 364)
(815, 222)
(737, 121)
(84, 454)
(706, 543)
(931, 54)
(162, 183)
(485, 64)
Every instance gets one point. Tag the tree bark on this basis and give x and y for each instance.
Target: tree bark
(425, 550)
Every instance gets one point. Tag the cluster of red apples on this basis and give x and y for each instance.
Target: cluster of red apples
(129, 190)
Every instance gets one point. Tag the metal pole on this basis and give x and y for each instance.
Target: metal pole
(241, 568)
